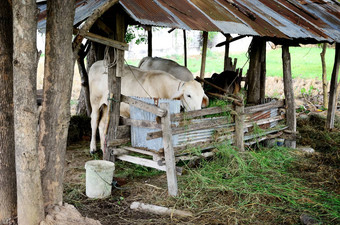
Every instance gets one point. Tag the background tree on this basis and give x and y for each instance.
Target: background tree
(8, 197)
(57, 87)
(30, 202)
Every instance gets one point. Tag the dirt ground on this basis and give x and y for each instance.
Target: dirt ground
(116, 208)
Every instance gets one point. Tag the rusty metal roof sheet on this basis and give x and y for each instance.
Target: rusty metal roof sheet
(309, 20)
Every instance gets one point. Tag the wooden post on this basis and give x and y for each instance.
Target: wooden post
(239, 127)
(114, 82)
(263, 72)
(149, 29)
(226, 51)
(204, 53)
(169, 151)
(253, 75)
(289, 94)
(185, 49)
(84, 80)
(332, 100)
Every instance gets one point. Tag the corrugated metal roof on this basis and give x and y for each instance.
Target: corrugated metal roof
(311, 20)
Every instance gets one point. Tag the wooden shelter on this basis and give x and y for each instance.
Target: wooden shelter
(284, 22)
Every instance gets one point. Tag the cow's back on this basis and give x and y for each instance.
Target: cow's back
(166, 65)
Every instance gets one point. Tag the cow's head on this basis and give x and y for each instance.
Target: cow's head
(191, 95)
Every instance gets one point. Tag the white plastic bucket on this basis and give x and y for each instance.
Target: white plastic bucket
(99, 174)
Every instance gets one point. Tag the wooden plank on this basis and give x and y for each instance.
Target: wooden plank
(149, 29)
(198, 113)
(169, 152)
(204, 53)
(332, 100)
(289, 93)
(239, 128)
(141, 123)
(141, 151)
(117, 142)
(209, 124)
(114, 81)
(263, 107)
(226, 50)
(225, 97)
(144, 106)
(124, 131)
(141, 161)
(102, 40)
(263, 71)
(211, 84)
(185, 49)
(190, 127)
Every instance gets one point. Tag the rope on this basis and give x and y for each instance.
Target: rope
(107, 59)
(113, 184)
(137, 79)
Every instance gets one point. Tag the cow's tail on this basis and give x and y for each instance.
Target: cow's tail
(143, 60)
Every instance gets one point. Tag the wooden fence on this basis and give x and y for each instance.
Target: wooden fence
(200, 129)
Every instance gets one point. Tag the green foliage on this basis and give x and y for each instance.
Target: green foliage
(141, 37)
(263, 179)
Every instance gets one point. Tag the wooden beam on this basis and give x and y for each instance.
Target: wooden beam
(204, 53)
(114, 80)
(253, 74)
(169, 152)
(144, 106)
(263, 71)
(332, 100)
(198, 113)
(226, 50)
(231, 40)
(149, 41)
(102, 40)
(262, 107)
(289, 93)
(89, 23)
(185, 49)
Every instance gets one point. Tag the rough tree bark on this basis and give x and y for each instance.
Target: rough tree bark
(30, 199)
(8, 195)
(96, 53)
(254, 72)
(324, 76)
(55, 113)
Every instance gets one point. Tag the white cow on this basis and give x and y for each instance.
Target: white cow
(136, 82)
(167, 65)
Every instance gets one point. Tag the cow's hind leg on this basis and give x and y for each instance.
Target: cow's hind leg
(94, 126)
(103, 125)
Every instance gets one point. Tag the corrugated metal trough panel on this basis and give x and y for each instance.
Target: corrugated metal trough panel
(138, 134)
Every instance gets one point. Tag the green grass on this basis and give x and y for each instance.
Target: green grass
(306, 62)
(257, 182)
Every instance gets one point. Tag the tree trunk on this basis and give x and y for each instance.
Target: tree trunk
(8, 194)
(254, 72)
(30, 199)
(324, 76)
(55, 113)
(96, 53)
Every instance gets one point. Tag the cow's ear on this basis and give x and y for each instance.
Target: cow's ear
(205, 101)
(178, 94)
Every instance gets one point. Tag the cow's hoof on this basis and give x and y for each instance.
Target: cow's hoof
(92, 152)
